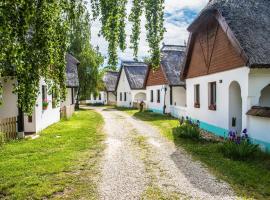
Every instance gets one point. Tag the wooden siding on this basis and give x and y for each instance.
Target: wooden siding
(212, 52)
(156, 77)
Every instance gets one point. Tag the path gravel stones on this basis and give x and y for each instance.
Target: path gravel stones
(140, 164)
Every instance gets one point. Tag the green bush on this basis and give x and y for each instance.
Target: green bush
(238, 151)
(188, 130)
(2, 138)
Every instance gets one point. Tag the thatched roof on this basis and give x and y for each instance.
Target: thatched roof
(171, 63)
(249, 23)
(72, 71)
(110, 80)
(136, 73)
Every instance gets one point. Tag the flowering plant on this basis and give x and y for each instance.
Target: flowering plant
(45, 104)
(212, 107)
(238, 147)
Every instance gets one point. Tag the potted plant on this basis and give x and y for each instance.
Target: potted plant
(197, 105)
(45, 104)
(212, 107)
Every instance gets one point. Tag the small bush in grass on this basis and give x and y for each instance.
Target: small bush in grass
(2, 138)
(238, 147)
(188, 129)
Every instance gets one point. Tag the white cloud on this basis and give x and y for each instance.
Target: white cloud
(176, 30)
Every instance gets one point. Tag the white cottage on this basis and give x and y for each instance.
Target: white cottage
(166, 93)
(130, 85)
(72, 84)
(227, 68)
(45, 113)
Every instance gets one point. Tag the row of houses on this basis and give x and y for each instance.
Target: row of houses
(222, 77)
(46, 111)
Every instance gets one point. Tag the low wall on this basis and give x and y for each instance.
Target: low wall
(178, 111)
(67, 111)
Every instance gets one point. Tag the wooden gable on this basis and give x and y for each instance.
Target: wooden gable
(156, 77)
(212, 52)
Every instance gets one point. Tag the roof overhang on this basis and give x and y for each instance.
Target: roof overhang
(195, 27)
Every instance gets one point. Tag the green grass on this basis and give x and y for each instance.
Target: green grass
(61, 163)
(249, 179)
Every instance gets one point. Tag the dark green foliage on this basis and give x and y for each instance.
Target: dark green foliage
(241, 151)
(33, 40)
(188, 130)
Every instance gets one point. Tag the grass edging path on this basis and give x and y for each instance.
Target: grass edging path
(249, 179)
(61, 163)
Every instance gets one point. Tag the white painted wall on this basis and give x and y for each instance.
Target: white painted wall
(179, 96)
(68, 100)
(258, 127)
(123, 86)
(220, 117)
(235, 106)
(102, 100)
(9, 100)
(265, 97)
(42, 118)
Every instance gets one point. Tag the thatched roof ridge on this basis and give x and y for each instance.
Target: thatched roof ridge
(72, 71)
(110, 80)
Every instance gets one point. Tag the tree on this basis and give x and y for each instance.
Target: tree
(113, 17)
(33, 40)
(90, 59)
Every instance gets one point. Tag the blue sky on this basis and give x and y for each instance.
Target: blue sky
(178, 15)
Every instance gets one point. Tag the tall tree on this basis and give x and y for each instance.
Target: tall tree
(89, 57)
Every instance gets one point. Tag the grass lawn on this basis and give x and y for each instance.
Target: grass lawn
(249, 179)
(60, 164)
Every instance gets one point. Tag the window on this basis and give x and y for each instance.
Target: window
(95, 97)
(125, 96)
(120, 96)
(99, 96)
(197, 96)
(158, 96)
(152, 96)
(45, 102)
(30, 119)
(212, 96)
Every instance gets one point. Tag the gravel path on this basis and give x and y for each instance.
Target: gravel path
(139, 164)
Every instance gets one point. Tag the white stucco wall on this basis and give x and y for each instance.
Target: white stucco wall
(179, 96)
(258, 127)
(220, 117)
(164, 98)
(9, 100)
(103, 99)
(123, 86)
(42, 118)
(68, 100)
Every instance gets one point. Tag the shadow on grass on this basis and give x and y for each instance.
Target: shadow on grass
(151, 116)
(249, 178)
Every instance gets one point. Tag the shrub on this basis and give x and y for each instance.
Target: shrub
(2, 138)
(188, 129)
(238, 147)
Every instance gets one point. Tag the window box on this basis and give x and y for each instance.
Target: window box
(197, 105)
(212, 107)
(45, 104)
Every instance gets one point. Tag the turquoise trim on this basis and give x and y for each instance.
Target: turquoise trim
(265, 146)
(156, 110)
(213, 129)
